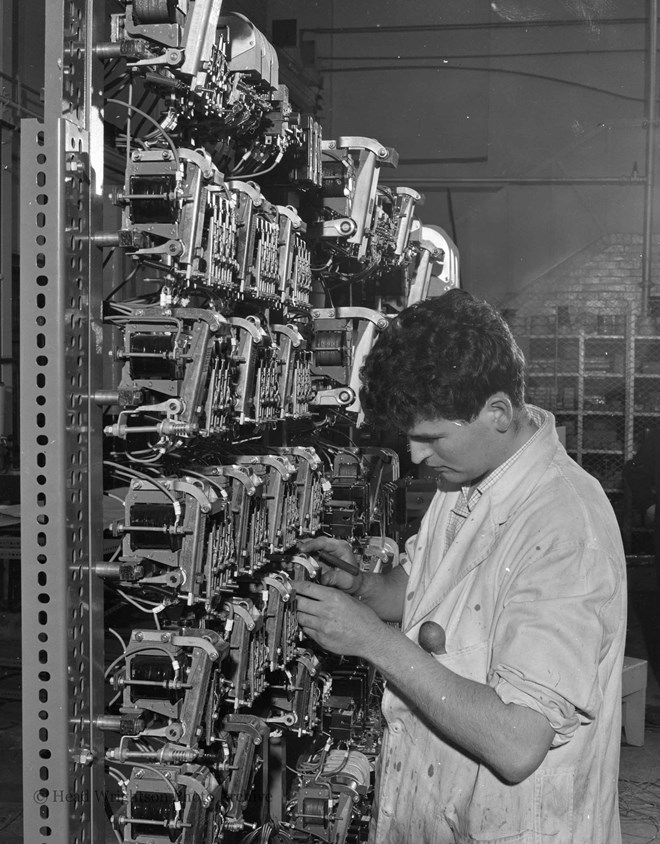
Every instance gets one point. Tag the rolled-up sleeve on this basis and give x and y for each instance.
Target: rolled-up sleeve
(557, 619)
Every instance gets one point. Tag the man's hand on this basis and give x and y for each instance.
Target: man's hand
(336, 621)
(331, 576)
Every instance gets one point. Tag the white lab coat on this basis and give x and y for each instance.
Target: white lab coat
(532, 597)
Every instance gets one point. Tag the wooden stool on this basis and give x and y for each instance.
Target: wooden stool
(634, 699)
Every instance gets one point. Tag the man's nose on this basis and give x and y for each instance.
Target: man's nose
(419, 451)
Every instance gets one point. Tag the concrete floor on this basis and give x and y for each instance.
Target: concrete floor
(639, 783)
(639, 790)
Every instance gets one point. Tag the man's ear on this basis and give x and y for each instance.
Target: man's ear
(500, 411)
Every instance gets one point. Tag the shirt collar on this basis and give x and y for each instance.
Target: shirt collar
(540, 419)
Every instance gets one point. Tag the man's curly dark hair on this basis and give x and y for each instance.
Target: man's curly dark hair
(440, 359)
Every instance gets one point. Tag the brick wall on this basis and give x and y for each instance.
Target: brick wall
(600, 284)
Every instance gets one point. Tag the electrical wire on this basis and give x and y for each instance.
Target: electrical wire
(128, 278)
(278, 158)
(114, 662)
(133, 473)
(487, 69)
(143, 604)
(114, 633)
(148, 117)
(559, 54)
(117, 776)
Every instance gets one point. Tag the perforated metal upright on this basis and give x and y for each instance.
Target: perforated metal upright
(61, 496)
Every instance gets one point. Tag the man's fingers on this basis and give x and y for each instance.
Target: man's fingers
(307, 621)
(308, 606)
(311, 590)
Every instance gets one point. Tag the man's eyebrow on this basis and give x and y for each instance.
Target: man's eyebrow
(433, 436)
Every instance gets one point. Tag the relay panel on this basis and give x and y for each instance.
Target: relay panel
(203, 275)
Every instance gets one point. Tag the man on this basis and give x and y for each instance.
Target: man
(503, 696)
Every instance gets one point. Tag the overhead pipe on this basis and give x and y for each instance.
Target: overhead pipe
(443, 182)
(647, 245)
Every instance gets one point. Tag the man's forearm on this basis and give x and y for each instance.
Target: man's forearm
(512, 740)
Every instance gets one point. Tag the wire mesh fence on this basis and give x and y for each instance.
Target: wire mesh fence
(600, 376)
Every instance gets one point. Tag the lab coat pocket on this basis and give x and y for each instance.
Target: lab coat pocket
(553, 805)
(469, 660)
(537, 811)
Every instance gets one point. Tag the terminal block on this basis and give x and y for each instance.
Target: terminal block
(248, 513)
(295, 274)
(296, 388)
(314, 489)
(247, 738)
(248, 655)
(298, 703)
(257, 393)
(258, 239)
(280, 495)
(279, 612)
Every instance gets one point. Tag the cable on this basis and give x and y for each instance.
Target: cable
(488, 25)
(177, 802)
(142, 605)
(148, 117)
(278, 158)
(128, 278)
(113, 664)
(114, 633)
(489, 69)
(117, 776)
(133, 473)
(559, 54)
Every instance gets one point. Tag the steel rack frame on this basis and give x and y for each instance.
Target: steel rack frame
(61, 494)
